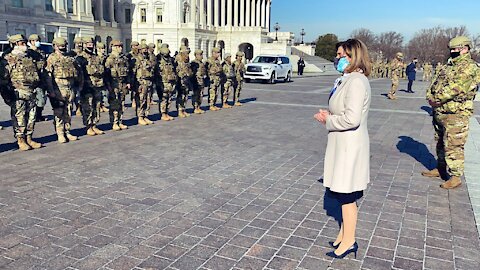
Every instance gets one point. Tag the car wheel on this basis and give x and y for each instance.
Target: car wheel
(272, 79)
(247, 80)
(289, 77)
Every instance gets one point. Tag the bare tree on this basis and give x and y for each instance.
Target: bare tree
(367, 36)
(389, 43)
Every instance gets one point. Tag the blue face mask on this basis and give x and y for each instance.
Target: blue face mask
(342, 64)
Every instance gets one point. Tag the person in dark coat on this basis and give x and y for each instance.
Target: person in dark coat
(301, 66)
(411, 73)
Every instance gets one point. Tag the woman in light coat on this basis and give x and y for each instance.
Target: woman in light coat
(347, 157)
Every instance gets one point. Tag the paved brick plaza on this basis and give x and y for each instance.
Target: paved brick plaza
(234, 189)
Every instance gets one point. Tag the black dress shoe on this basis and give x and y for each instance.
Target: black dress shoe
(353, 249)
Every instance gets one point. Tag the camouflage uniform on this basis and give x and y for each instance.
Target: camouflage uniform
(101, 52)
(132, 56)
(230, 79)
(453, 91)
(63, 73)
(77, 50)
(144, 75)
(200, 71)
(185, 76)
(215, 74)
(239, 72)
(91, 95)
(396, 67)
(153, 58)
(166, 81)
(118, 82)
(427, 72)
(23, 76)
(40, 60)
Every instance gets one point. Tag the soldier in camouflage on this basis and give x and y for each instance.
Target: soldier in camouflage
(451, 96)
(78, 45)
(166, 81)
(93, 70)
(185, 76)
(153, 58)
(144, 75)
(229, 81)
(215, 73)
(239, 72)
(102, 52)
(427, 71)
(63, 75)
(396, 68)
(23, 76)
(40, 60)
(132, 55)
(77, 50)
(118, 83)
(200, 71)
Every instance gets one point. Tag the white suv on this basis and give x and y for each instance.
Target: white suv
(269, 68)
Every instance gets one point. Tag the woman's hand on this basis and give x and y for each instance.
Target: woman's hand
(321, 116)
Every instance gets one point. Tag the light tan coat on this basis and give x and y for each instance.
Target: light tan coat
(347, 157)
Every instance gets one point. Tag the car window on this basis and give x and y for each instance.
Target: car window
(47, 48)
(285, 60)
(265, 59)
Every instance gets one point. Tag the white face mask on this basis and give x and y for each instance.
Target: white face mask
(37, 44)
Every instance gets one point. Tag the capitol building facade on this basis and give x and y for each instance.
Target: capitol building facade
(232, 25)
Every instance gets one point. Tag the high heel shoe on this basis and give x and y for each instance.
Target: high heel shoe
(353, 249)
(332, 244)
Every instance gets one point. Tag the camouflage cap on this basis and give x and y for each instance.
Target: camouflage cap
(59, 41)
(143, 46)
(134, 43)
(459, 42)
(87, 39)
(16, 38)
(184, 49)
(100, 45)
(240, 54)
(216, 49)
(33, 37)
(164, 45)
(116, 42)
(164, 50)
(78, 40)
(198, 52)
(227, 55)
(399, 55)
(151, 45)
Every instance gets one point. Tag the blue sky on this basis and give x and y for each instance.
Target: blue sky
(319, 17)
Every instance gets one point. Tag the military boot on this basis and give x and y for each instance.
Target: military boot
(22, 145)
(97, 130)
(181, 114)
(453, 182)
(103, 108)
(237, 104)
(70, 137)
(78, 111)
(134, 104)
(61, 136)
(149, 122)
(32, 143)
(214, 108)
(165, 117)
(90, 131)
(122, 126)
(142, 122)
(226, 105)
(116, 127)
(431, 173)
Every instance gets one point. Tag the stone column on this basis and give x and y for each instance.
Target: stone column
(236, 13)
(112, 11)
(258, 12)
(229, 12)
(264, 11)
(100, 10)
(201, 10)
(242, 13)
(223, 17)
(248, 16)
(193, 11)
(254, 13)
(267, 23)
(209, 12)
(216, 13)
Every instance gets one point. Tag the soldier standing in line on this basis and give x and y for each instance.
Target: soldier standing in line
(200, 71)
(428, 71)
(40, 60)
(166, 81)
(78, 45)
(102, 53)
(451, 96)
(118, 83)
(185, 76)
(153, 58)
(215, 74)
(396, 67)
(144, 74)
(438, 68)
(77, 50)
(132, 55)
(22, 74)
(63, 72)
(230, 81)
(93, 70)
(239, 72)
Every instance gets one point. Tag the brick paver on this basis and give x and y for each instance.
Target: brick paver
(234, 189)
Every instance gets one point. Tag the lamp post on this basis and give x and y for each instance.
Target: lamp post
(276, 27)
(302, 34)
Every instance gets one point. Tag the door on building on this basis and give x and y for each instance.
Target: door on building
(247, 48)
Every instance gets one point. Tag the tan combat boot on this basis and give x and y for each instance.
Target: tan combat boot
(238, 104)
(122, 126)
(142, 122)
(78, 112)
(431, 173)
(134, 104)
(181, 114)
(454, 182)
(71, 138)
(226, 106)
(61, 136)
(32, 143)
(97, 130)
(22, 145)
(116, 127)
(149, 122)
(214, 108)
(91, 132)
(165, 117)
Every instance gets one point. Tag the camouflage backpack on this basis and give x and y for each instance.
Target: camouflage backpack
(118, 66)
(22, 70)
(63, 66)
(95, 66)
(144, 68)
(167, 71)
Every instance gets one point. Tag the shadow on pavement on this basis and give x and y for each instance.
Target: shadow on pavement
(419, 151)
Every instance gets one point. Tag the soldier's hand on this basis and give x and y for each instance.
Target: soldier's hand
(434, 104)
(129, 86)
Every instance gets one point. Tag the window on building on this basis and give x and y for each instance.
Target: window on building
(143, 41)
(71, 38)
(17, 3)
(21, 31)
(70, 6)
(159, 15)
(49, 5)
(128, 16)
(143, 15)
(50, 36)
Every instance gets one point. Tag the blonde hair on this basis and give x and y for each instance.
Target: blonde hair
(358, 52)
